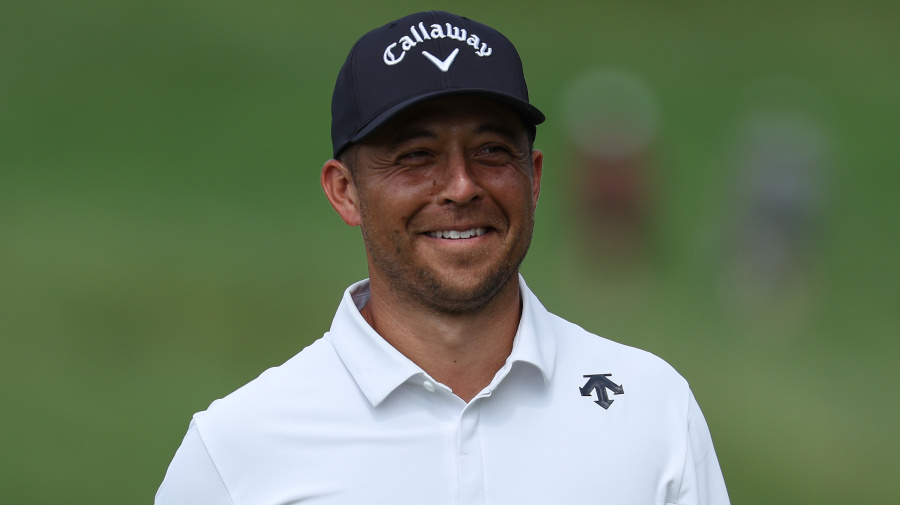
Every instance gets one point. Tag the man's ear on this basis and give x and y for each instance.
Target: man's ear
(341, 191)
(537, 164)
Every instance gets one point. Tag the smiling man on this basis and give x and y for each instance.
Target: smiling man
(442, 379)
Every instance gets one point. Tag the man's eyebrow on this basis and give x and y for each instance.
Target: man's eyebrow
(406, 135)
(510, 133)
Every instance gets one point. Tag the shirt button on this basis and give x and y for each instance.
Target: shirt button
(429, 386)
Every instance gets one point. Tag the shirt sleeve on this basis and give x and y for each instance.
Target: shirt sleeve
(702, 483)
(192, 477)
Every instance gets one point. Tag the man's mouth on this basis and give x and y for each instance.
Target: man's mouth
(454, 234)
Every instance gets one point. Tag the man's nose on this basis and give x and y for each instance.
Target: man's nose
(460, 185)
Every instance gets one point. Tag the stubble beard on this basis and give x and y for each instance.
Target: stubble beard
(416, 284)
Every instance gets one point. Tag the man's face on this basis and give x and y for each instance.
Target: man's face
(447, 192)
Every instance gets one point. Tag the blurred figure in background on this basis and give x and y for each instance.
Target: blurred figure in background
(781, 157)
(612, 119)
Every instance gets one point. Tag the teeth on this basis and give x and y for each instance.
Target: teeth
(453, 234)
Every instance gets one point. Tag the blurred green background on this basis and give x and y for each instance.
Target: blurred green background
(164, 239)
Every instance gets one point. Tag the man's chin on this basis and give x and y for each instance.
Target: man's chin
(463, 293)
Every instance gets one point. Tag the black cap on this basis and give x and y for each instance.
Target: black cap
(420, 57)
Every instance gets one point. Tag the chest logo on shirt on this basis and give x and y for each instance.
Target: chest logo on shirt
(601, 383)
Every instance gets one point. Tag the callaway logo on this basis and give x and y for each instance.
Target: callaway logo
(420, 34)
(442, 65)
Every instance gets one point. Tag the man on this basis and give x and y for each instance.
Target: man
(443, 379)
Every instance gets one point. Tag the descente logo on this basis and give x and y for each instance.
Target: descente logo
(421, 34)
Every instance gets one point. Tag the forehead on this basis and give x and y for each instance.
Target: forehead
(449, 113)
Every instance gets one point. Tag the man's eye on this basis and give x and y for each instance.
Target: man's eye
(414, 157)
(495, 150)
(496, 154)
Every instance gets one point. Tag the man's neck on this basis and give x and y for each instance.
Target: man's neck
(462, 351)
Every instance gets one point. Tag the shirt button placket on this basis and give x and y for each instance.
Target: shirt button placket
(470, 460)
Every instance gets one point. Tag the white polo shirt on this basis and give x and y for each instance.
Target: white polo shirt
(349, 420)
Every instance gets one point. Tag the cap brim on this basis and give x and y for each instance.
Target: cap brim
(529, 114)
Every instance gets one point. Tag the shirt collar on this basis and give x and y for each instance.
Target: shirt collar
(378, 368)
(535, 341)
